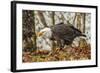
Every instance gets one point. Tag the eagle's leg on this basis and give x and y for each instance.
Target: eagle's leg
(61, 44)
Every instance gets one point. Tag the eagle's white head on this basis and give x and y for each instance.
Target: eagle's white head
(46, 33)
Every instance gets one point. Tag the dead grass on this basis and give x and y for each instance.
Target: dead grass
(65, 54)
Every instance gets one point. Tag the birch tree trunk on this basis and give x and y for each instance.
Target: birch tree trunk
(42, 19)
(80, 18)
(83, 21)
(79, 21)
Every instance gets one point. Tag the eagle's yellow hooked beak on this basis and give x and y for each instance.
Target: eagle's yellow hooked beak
(39, 34)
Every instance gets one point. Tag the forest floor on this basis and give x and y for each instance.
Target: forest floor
(65, 54)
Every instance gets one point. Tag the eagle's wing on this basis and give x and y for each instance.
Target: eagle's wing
(63, 31)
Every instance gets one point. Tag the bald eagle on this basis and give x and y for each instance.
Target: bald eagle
(62, 33)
